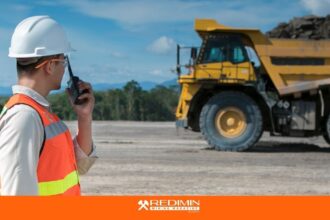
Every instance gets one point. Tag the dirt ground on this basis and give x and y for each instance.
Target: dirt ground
(154, 158)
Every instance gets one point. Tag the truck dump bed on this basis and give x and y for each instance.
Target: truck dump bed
(293, 65)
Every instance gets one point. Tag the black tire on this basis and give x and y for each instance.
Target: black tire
(194, 123)
(326, 134)
(253, 125)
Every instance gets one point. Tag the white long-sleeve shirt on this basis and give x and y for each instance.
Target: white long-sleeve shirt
(21, 137)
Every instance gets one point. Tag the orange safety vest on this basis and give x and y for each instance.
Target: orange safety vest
(57, 169)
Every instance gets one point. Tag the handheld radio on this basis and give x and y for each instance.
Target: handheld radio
(73, 87)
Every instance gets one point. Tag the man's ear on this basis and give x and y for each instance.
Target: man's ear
(49, 68)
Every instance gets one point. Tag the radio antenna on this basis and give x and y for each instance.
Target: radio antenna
(69, 66)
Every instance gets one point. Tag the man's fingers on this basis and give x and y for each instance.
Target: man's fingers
(85, 86)
(86, 96)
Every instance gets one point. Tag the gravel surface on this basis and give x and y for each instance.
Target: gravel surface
(154, 158)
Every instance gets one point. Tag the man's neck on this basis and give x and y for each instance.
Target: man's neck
(32, 84)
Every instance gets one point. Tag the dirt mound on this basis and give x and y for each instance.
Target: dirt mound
(307, 27)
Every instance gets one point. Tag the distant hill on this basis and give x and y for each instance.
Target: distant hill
(168, 83)
(145, 85)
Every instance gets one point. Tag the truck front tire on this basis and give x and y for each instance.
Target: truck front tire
(231, 121)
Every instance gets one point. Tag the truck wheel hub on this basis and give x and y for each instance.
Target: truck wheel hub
(230, 122)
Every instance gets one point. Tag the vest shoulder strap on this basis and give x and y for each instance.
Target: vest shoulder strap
(20, 99)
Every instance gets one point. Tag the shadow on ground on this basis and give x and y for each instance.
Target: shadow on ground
(279, 147)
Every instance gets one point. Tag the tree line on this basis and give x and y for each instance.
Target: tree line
(129, 103)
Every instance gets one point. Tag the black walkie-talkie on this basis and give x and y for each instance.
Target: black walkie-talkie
(73, 87)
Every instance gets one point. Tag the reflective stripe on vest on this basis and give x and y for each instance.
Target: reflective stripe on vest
(55, 129)
(58, 186)
(57, 169)
(3, 111)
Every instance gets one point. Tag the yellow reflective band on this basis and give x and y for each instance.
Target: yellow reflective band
(58, 186)
(4, 110)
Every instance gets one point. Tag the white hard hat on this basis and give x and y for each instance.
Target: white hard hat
(38, 36)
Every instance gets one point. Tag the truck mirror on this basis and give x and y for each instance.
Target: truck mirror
(193, 53)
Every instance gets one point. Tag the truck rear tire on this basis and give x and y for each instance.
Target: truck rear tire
(231, 121)
(326, 134)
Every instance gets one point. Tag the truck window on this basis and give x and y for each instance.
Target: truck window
(215, 54)
(214, 51)
(253, 57)
(223, 48)
(238, 56)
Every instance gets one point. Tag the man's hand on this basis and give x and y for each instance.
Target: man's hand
(85, 113)
(85, 110)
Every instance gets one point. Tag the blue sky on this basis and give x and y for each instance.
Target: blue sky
(120, 40)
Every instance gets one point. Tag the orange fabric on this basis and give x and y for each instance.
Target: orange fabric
(57, 158)
(127, 207)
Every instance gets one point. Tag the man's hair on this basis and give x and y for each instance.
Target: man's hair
(27, 66)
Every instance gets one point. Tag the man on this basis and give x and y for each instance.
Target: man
(37, 153)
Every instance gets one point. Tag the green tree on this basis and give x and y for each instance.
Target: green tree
(133, 92)
(129, 103)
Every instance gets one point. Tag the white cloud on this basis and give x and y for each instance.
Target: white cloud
(47, 3)
(136, 12)
(8, 67)
(12, 13)
(20, 8)
(103, 73)
(317, 7)
(5, 34)
(88, 43)
(163, 45)
(117, 54)
(156, 72)
(131, 12)
(113, 73)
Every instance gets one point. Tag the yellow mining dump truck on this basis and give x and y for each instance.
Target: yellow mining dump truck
(240, 83)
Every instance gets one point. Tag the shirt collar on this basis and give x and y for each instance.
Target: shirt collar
(18, 89)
